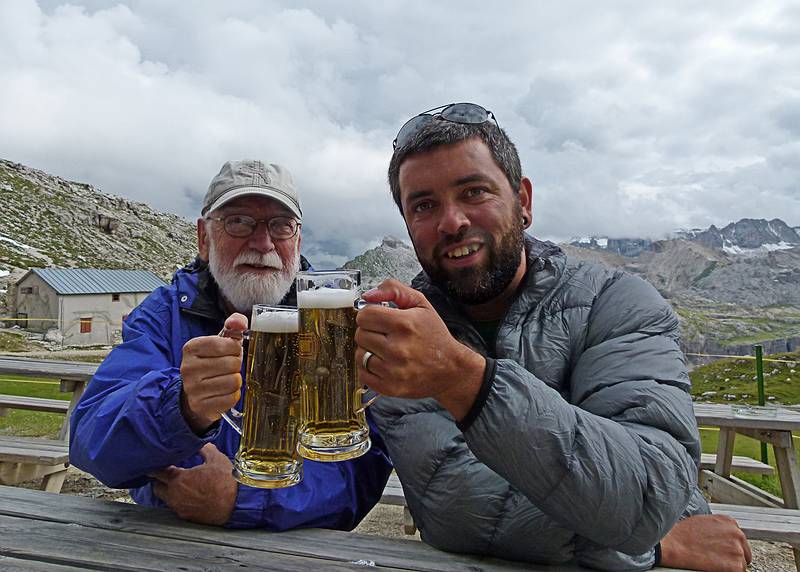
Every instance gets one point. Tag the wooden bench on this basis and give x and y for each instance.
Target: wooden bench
(740, 464)
(32, 404)
(28, 458)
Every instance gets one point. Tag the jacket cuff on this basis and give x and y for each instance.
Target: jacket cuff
(483, 394)
(657, 561)
(253, 515)
(177, 432)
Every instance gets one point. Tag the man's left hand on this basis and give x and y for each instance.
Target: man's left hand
(205, 494)
(709, 542)
(414, 355)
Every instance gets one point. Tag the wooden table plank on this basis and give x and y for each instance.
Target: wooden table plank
(54, 369)
(94, 548)
(721, 415)
(8, 564)
(322, 546)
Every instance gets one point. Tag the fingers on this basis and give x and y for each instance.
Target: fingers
(197, 368)
(372, 341)
(166, 475)
(748, 554)
(212, 347)
(210, 453)
(374, 365)
(216, 394)
(161, 490)
(236, 321)
(392, 290)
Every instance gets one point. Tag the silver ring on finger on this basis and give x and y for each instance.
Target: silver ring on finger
(365, 360)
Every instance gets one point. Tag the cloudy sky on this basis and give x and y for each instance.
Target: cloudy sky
(631, 120)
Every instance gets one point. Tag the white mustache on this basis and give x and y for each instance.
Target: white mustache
(270, 259)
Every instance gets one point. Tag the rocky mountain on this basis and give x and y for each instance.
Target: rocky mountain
(747, 236)
(726, 301)
(48, 221)
(744, 237)
(731, 286)
(728, 297)
(393, 258)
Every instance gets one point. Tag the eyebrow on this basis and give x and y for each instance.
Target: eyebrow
(465, 180)
(472, 178)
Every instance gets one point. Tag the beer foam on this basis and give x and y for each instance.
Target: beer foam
(275, 322)
(327, 298)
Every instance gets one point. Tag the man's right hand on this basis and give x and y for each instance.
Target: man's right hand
(211, 371)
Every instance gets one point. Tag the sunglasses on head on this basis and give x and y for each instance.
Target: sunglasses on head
(470, 113)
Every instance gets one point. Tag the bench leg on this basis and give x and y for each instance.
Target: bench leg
(53, 482)
(408, 522)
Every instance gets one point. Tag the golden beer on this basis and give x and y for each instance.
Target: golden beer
(334, 426)
(267, 455)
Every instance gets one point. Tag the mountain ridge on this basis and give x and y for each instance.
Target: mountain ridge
(728, 289)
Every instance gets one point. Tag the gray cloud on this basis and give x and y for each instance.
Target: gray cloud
(631, 119)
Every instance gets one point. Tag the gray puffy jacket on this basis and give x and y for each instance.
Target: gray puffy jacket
(582, 446)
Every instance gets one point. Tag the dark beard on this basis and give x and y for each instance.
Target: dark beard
(472, 286)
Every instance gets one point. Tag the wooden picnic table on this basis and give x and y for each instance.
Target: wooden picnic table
(43, 531)
(774, 429)
(22, 458)
(73, 377)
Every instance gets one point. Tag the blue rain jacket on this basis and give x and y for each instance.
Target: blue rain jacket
(128, 422)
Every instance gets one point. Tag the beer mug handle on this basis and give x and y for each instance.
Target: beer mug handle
(233, 416)
(360, 304)
(360, 392)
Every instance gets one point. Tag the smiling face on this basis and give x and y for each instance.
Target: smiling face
(252, 270)
(465, 220)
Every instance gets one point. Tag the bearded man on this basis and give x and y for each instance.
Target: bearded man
(149, 419)
(536, 408)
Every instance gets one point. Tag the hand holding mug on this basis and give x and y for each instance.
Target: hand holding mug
(211, 372)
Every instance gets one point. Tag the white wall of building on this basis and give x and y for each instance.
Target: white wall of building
(105, 314)
(36, 304)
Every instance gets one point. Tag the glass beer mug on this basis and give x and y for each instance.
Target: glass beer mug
(333, 427)
(267, 456)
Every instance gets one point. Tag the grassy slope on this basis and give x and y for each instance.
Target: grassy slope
(736, 379)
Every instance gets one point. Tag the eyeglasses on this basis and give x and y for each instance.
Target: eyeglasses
(469, 113)
(242, 226)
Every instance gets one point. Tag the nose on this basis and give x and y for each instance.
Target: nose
(260, 240)
(453, 220)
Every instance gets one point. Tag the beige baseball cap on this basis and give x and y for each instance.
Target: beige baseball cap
(248, 177)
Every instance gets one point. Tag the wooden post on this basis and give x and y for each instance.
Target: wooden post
(761, 397)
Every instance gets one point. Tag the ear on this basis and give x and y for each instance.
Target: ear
(526, 200)
(202, 239)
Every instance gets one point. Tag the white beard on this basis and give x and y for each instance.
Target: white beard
(244, 289)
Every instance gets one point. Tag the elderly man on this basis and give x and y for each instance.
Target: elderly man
(149, 419)
(547, 400)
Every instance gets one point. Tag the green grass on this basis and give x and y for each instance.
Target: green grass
(31, 423)
(735, 377)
